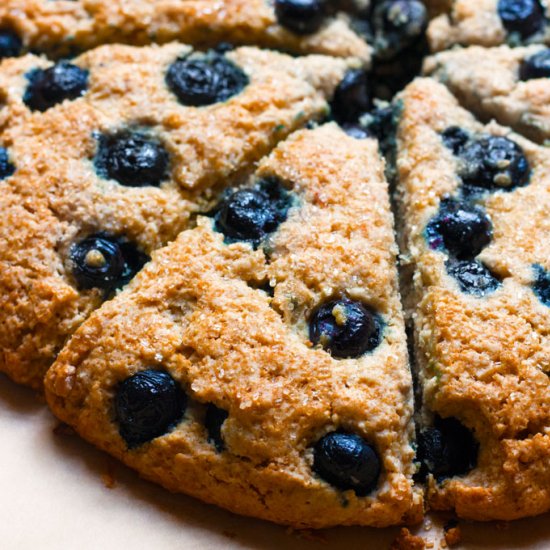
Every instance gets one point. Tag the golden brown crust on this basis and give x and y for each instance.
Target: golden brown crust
(66, 25)
(56, 197)
(487, 82)
(482, 360)
(196, 312)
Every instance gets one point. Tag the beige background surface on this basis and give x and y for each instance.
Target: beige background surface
(53, 495)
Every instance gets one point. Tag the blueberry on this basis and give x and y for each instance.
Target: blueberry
(48, 87)
(493, 162)
(536, 66)
(199, 81)
(345, 328)
(148, 405)
(472, 276)
(105, 262)
(300, 16)
(446, 449)
(541, 286)
(397, 25)
(6, 167)
(357, 131)
(347, 461)
(463, 229)
(132, 158)
(525, 17)
(251, 214)
(352, 97)
(454, 138)
(213, 420)
(10, 44)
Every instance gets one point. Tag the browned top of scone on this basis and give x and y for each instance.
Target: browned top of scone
(477, 22)
(497, 83)
(197, 311)
(66, 25)
(58, 196)
(484, 360)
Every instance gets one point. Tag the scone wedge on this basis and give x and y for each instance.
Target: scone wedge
(475, 204)
(108, 157)
(259, 361)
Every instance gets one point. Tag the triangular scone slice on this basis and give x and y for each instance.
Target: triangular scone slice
(65, 26)
(490, 23)
(474, 203)
(269, 423)
(503, 83)
(129, 160)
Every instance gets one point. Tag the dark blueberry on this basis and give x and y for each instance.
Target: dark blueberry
(10, 44)
(48, 87)
(352, 97)
(251, 214)
(472, 277)
(132, 159)
(493, 162)
(213, 420)
(447, 449)
(205, 80)
(454, 138)
(345, 328)
(522, 16)
(536, 66)
(105, 262)
(300, 16)
(542, 285)
(347, 461)
(380, 122)
(357, 131)
(148, 405)
(397, 25)
(6, 167)
(463, 229)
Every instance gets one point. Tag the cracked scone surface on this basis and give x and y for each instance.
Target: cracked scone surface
(57, 196)
(493, 83)
(198, 313)
(63, 26)
(478, 22)
(482, 357)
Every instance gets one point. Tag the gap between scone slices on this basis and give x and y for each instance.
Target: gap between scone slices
(106, 158)
(490, 23)
(61, 27)
(259, 362)
(475, 205)
(511, 85)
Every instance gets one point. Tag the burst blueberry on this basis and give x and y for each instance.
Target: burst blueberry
(48, 87)
(6, 167)
(347, 461)
(541, 286)
(525, 17)
(251, 214)
(301, 16)
(10, 44)
(352, 97)
(446, 449)
(132, 158)
(536, 66)
(213, 421)
(461, 228)
(472, 276)
(454, 138)
(345, 328)
(199, 81)
(105, 262)
(147, 405)
(357, 131)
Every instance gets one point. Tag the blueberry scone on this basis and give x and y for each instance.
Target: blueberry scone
(491, 23)
(475, 203)
(259, 361)
(511, 85)
(109, 156)
(300, 26)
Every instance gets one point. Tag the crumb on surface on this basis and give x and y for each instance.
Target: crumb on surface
(405, 540)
